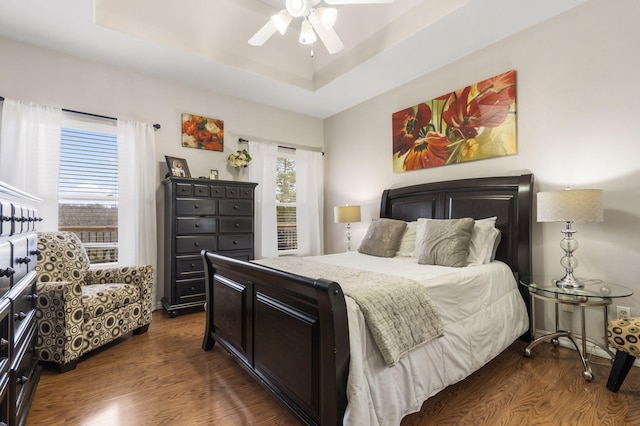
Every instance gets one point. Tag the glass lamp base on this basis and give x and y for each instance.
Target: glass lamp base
(569, 281)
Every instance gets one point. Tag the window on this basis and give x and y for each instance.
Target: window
(88, 185)
(286, 204)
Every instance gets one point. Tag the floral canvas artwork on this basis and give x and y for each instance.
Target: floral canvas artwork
(473, 123)
(202, 132)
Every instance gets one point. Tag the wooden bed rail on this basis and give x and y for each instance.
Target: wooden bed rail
(288, 331)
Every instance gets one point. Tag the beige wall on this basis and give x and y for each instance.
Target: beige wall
(578, 102)
(32, 74)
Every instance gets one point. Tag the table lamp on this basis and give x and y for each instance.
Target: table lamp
(570, 205)
(347, 214)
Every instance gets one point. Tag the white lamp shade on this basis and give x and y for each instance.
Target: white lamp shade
(570, 205)
(346, 214)
(307, 35)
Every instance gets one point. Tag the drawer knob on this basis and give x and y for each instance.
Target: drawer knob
(35, 252)
(195, 206)
(197, 225)
(235, 207)
(235, 241)
(24, 260)
(30, 297)
(20, 316)
(7, 272)
(237, 225)
(3, 343)
(193, 289)
(193, 265)
(22, 380)
(196, 244)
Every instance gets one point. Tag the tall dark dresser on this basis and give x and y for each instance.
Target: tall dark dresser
(19, 370)
(201, 214)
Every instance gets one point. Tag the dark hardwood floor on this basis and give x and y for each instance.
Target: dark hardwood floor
(164, 377)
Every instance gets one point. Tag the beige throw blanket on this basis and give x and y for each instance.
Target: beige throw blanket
(397, 310)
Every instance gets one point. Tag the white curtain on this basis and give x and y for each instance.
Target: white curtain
(137, 241)
(309, 202)
(263, 170)
(30, 153)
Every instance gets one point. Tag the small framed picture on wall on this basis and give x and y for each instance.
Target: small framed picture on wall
(213, 175)
(177, 166)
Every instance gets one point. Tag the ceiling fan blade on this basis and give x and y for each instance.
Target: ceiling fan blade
(329, 37)
(263, 34)
(358, 1)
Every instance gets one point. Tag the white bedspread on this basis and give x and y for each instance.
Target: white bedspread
(482, 313)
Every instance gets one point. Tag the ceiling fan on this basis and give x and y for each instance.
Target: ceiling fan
(316, 19)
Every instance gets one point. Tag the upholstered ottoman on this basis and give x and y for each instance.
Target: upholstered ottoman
(624, 335)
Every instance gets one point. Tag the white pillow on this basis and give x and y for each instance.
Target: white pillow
(483, 241)
(408, 241)
(481, 249)
(421, 231)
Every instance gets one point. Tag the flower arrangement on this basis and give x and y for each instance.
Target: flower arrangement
(240, 158)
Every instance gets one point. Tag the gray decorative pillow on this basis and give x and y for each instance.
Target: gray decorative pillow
(383, 237)
(447, 242)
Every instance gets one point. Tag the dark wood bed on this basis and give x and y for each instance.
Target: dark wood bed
(290, 332)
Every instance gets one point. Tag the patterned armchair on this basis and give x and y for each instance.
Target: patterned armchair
(80, 309)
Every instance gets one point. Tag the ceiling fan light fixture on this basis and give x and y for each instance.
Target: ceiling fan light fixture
(307, 35)
(328, 16)
(297, 8)
(281, 20)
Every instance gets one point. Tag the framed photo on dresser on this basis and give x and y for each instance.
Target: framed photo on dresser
(177, 166)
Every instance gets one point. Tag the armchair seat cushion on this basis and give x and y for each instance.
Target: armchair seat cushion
(100, 299)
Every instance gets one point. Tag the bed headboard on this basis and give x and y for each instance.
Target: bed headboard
(509, 198)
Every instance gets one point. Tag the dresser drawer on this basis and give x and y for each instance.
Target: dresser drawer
(196, 225)
(6, 213)
(190, 290)
(195, 206)
(187, 265)
(235, 242)
(200, 190)
(5, 335)
(217, 191)
(24, 299)
(236, 224)
(5, 403)
(236, 207)
(24, 374)
(184, 190)
(195, 244)
(20, 259)
(6, 269)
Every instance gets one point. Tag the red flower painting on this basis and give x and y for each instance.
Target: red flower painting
(202, 132)
(473, 123)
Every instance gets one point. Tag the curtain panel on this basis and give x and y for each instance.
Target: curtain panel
(309, 199)
(137, 232)
(30, 154)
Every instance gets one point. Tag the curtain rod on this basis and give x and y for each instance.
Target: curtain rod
(155, 126)
(291, 146)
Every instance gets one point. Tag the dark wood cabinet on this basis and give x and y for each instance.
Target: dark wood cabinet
(19, 370)
(201, 214)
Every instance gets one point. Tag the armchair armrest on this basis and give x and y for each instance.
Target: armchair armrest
(59, 312)
(140, 276)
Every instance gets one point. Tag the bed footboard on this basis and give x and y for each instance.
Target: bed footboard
(289, 332)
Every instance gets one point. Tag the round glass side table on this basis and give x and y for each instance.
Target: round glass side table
(596, 293)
